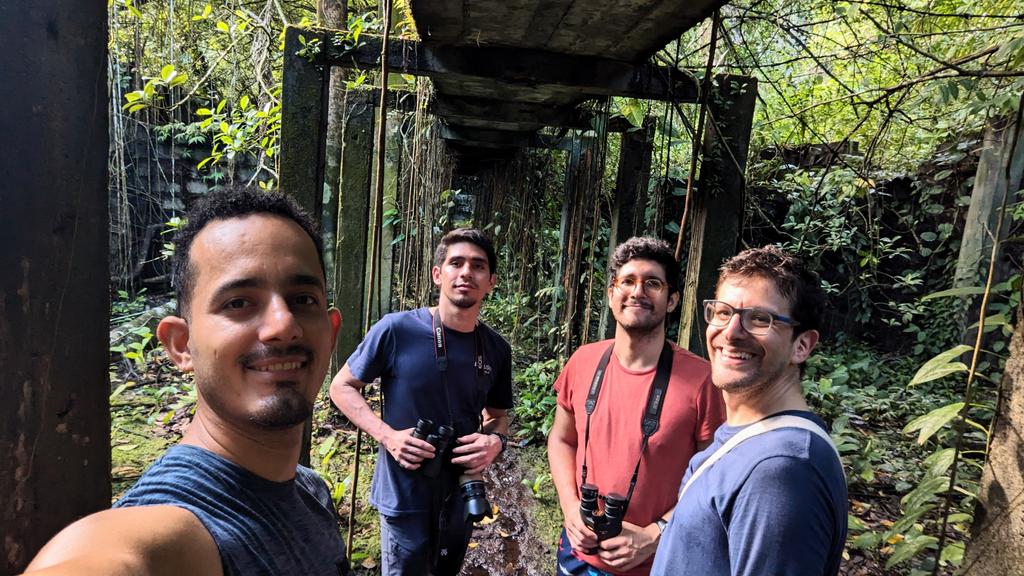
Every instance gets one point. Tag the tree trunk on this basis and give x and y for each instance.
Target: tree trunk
(332, 14)
(995, 548)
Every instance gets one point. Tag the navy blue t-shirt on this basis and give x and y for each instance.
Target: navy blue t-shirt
(260, 526)
(776, 504)
(399, 349)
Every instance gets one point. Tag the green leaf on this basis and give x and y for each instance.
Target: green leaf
(866, 541)
(953, 552)
(993, 321)
(938, 463)
(961, 291)
(909, 548)
(223, 27)
(204, 112)
(931, 422)
(120, 389)
(166, 71)
(941, 365)
(243, 103)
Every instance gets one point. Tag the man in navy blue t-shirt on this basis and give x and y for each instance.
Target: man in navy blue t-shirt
(768, 496)
(439, 364)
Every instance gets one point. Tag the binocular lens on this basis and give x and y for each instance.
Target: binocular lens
(474, 494)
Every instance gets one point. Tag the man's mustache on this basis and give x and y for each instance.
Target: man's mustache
(270, 352)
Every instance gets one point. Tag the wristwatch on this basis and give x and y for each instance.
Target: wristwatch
(661, 522)
(504, 440)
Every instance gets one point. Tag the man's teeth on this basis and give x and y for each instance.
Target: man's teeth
(280, 366)
(739, 355)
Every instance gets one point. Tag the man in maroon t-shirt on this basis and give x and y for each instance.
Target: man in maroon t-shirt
(643, 289)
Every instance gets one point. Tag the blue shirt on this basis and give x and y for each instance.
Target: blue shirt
(399, 349)
(260, 526)
(776, 504)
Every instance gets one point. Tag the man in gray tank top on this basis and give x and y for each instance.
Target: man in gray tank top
(254, 327)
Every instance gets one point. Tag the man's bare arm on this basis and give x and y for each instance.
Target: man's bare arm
(562, 444)
(139, 541)
(346, 393)
(495, 420)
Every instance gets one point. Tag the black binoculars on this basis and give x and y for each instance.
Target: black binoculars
(437, 436)
(472, 488)
(607, 524)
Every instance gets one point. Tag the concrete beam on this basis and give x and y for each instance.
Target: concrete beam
(591, 76)
(717, 203)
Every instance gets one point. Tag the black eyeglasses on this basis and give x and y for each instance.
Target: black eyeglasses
(754, 320)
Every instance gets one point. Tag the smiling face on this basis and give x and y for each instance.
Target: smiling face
(464, 277)
(639, 311)
(744, 363)
(259, 333)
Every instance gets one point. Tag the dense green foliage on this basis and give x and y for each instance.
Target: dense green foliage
(903, 88)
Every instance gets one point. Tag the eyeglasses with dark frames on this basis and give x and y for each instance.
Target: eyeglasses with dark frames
(756, 321)
(650, 285)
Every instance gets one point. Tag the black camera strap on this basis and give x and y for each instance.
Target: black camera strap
(652, 408)
(441, 358)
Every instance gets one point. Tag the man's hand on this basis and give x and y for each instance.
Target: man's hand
(581, 537)
(409, 452)
(631, 547)
(476, 451)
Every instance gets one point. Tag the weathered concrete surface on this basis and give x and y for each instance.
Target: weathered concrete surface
(54, 302)
(586, 44)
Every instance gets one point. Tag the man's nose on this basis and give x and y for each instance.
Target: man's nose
(279, 322)
(734, 328)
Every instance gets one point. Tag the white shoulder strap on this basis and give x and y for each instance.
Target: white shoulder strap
(755, 429)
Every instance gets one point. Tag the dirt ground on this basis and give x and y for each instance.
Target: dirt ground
(506, 545)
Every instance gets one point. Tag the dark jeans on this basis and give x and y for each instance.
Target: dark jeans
(406, 541)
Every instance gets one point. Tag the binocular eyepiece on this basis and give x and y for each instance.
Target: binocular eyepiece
(606, 524)
(472, 488)
(437, 436)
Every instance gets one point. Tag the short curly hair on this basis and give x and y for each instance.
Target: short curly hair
(232, 202)
(791, 276)
(645, 248)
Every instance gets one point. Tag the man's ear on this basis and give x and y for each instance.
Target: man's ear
(435, 275)
(803, 346)
(673, 301)
(173, 333)
(335, 316)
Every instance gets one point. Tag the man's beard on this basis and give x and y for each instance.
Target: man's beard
(748, 384)
(287, 408)
(644, 326)
(463, 301)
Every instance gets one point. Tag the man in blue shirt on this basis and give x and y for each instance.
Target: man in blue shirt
(444, 365)
(254, 327)
(769, 495)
